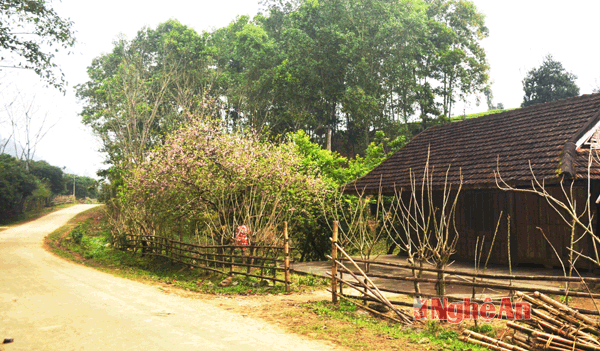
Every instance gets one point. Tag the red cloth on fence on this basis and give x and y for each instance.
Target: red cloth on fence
(241, 236)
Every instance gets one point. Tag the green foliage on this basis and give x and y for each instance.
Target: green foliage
(307, 65)
(433, 327)
(310, 280)
(337, 170)
(434, 333)
(549, 82)
(312, 232)
(45, 32)
(485, 329)
(377, 151)
(84, 186)
(78, 233)
(52, 174)
(16, 185)
(329, 165)
(565, 299)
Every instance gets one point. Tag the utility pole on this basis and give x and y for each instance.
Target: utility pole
(73, 185)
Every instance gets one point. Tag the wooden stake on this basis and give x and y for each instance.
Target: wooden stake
(369, 309)
(334, 240)
(378, 293)
(286, 251)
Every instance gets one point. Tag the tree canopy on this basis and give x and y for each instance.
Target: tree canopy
(549, 82)
(30, 32)
(352, 68)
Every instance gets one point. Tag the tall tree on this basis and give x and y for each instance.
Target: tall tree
(145, 88)
(460, 64)
(30, 32)
(549, 82)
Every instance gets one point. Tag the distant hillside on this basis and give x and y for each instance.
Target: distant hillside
(479, 114)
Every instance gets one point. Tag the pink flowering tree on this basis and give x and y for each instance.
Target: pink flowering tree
(206, 180)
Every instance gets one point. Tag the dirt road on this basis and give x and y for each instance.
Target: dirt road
(47, 303)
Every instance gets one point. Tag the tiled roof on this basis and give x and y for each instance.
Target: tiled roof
(543, 134)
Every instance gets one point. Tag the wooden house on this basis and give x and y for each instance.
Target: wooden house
(551, 140)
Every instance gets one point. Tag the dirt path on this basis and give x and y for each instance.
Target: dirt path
(47, 303)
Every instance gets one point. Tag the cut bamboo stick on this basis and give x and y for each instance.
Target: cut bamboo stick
(482, 343)
(486, 285)
(367, 308)
(492, 341)
(398, 312)
(567, 309)
(485, 275)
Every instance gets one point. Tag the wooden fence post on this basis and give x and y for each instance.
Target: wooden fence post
(232, 253)
(334, 241)
(286, 252)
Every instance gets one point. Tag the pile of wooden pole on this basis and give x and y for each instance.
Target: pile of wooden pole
(552, 326)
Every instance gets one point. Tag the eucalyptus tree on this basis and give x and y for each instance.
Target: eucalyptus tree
(247, 56)
(459, 64)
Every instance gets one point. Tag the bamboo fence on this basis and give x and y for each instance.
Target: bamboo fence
(452, 278)
(258, 261)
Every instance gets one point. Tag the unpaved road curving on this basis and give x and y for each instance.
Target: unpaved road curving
(47, 303)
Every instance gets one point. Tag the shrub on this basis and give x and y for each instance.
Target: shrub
(207, 180)
(78, 233)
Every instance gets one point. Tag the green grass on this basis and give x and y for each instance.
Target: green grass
(478, 114)
(484, 329)
(433, 335)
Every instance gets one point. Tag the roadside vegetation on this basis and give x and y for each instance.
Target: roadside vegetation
(34, 214)
(28, 188)
(355, 329)
(86, 239)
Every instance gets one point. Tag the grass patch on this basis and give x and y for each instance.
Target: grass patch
(86, 239)
(345, 318)
(478, 114)
(484, 329)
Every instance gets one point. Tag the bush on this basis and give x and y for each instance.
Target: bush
(16, 185)
(78, 233)
(207, 180)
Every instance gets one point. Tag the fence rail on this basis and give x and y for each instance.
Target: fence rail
(450, 278)
(260, 261)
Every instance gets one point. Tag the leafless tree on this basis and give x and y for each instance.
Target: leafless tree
(28, 126)
(578, 217)
(359, 230)
(423, 225)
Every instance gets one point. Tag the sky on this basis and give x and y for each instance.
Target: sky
(521, 34)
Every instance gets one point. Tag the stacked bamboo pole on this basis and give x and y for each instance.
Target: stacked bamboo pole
(551, 326)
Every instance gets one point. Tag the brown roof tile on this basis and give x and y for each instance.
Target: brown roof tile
(543, 134)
